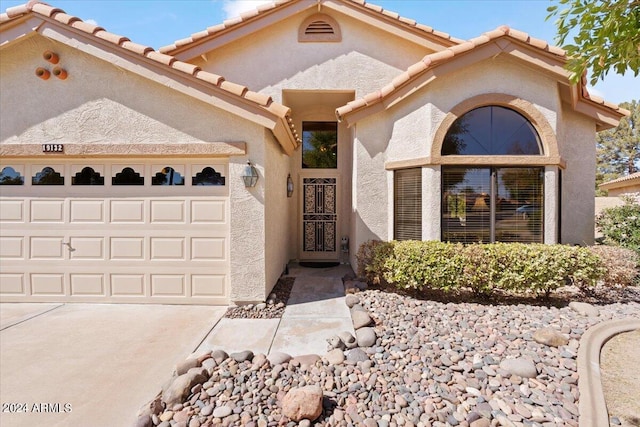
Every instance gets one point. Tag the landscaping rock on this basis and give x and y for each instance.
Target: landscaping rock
(584, 308)
(335, 342)
(356, 355)
(222, 411)
(303, 403)
(306, 359)
(278, 358)
(184, 366)
(550, 337)
(360, 319)
(219, 356)
(181, 386)
(351, 300)
(366, 337)
(348, 339)
(335, 357)
(521, 367)
(241, 356)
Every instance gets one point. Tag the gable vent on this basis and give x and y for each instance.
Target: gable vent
(319, 28)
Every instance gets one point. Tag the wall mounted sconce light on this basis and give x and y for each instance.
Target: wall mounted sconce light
(60, 73)
(289, 186)
(43, 73)
(250, 175)
(51, 57)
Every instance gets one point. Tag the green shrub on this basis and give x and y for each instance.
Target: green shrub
(483, 268)
(371, 257)
(620, 225)
(620, 264)
(415, 265)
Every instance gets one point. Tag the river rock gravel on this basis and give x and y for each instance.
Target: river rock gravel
(432, 364)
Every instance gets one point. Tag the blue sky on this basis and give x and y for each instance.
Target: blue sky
(158, 23)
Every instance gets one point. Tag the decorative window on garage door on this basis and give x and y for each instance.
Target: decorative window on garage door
(208, 176)
(10, 176)
(87, 176)
(128, 176)
(167, 176)
(47, 176)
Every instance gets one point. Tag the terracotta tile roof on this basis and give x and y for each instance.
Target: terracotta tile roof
(623, 180)
(264, 8)
(445, 55)
(47, 11)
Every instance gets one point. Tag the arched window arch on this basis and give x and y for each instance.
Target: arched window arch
(492, 130)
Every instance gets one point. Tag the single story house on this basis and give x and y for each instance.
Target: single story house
(124, 169)
(626, 185)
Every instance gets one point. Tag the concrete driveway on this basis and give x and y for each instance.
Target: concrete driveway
(91, 364)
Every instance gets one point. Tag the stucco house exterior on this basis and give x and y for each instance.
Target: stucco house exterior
(122, 166)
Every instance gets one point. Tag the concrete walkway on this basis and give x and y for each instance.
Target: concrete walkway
(315, 311)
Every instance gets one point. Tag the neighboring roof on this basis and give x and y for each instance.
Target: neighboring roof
(282, 126)
(503, 38)
(625, 181)
(179, 47)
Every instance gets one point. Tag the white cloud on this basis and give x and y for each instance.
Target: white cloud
(91, 21)
(234, 8)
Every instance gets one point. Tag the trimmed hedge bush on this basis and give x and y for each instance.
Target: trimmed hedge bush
(515, 267)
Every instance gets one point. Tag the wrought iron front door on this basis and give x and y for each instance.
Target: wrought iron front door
(319, 218)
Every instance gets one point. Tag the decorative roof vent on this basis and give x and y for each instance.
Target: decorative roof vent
(319, 28)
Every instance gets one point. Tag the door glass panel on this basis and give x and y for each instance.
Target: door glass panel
(128, 176)
(319, 145)
(519, 205)
(466, 205)
(167, 176)
(9, 176)
(48, 176)
(208, 176)
(87, 176)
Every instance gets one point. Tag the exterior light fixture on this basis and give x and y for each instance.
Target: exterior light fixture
(289, 186)
(250, 175)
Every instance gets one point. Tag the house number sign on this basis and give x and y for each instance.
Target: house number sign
(53, 148)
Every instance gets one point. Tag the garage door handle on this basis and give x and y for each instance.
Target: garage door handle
(71, 249)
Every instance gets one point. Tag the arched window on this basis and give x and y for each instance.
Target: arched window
(490, 131)
(48, 176)
(87, 176)
(167, 176)
(9, 176)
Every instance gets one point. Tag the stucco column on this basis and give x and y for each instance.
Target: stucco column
(551, 200)
(431, 200)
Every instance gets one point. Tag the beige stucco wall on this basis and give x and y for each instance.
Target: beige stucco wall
(576, 141)
(406, 131)
(621, 191)
(100, 103)
(272, 59)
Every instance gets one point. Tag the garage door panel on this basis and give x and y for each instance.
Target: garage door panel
(12, 247)
(168, 248)
(168, 285)
(204, 212)
(127, 248)
(12, 211)
(128, 285)
(47, 248)
(208, 249)
(47, 284)
(127, 211)
(87, 285)
(171, 211)
(87, 211)
(87, 248)
(208, 285)
(47, 211)
(12, 284)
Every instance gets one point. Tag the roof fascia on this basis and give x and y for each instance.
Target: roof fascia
(214, 41)
(19, 29)
(388, 24)
(140, 65)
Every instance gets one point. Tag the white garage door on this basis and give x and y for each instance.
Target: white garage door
(134, 231)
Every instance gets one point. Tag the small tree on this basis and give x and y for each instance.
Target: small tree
(607, 35)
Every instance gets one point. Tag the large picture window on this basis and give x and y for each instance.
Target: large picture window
(492, 204)
(407, 202)
(319, 145)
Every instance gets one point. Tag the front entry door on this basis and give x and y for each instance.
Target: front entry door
(319, 218)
